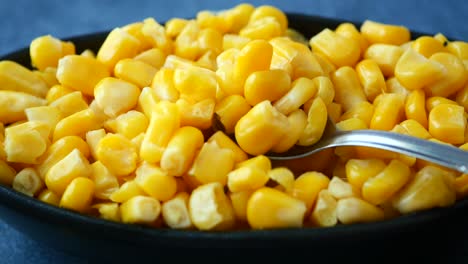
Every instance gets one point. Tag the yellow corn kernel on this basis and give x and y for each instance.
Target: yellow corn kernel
(92, 139)
(14, 103)
(130, 124)
(78, 195)
(316, 122)
(81, 73)
(62, 173)
(348, 89)
(363, 111)
(163, 124)
(45, 51)
(137, 141)
(48, 196)
(458, 48)
(46, 114)
(388, 111)
(186, 43)
(270, 208)
(262, 121)
(259, 161)
(116, 96)
(181, 149)
(246, 178)
(15, 77)
(226, 142)
(371, 78)
(234, 41)
(210, 40)
(283, 176)
(334, 111)
(207, 61)
(434, 101)
(210, 208)
(270, 11)
(264, 28)
(140, 210)
(212, 164)
(394, 86)
(266, 85)
(326, 65)
(229, 110)
(448, 123)
(207, 19)
(304, 63)
(117, 153)
(355, 210)
(76, 124)
(297, 123)
(325, 89)
(59, 150)
(155, 182)
(163, 85)
(386, 56)
(136, 30)
(227, 57)
(127, 191)
(415, 107)
(28, 182)
(380, 188)
(301, 91)
(108, 211)
(376, 32)
(57, 91)
(427, 46)
(88, 53)
(195, 85)
(135, 71)
(154, 57)
(70, 103)
(105, 183)
(340, 189)
(147, 101)
(238, 16)
(197, 114)
(26, 142)
(255, 56)
(175, 212)
(462, 97)
(453, 80)
(174, 26)
(296, 36)
(239, 203)
(7, 173)
(307, 186)
(48, 76)
(341, 51)
(428, 189)
(118, 45)
(350, 31)
(324, 212)
(415, 129)
(358, 171)
(353, 123)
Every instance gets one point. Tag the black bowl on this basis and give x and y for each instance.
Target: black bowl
(433, 233)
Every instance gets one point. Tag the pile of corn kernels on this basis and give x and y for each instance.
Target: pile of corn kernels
(168, 125)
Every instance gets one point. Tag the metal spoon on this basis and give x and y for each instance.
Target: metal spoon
(445, 155)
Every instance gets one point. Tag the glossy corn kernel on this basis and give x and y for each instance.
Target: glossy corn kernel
(255, 56)
(283, 176)
(210, 208)
(348, 89)
(266, 85)
(147, 101)
(270, 208)
(246, 178)
(341, 51)
(28, 182)
(350, 31)
(394, 86)
(297, 123)
(239, 202)
(15, 77)
(304, 63)
(81, 73)
(301, 91)
(363, 111)
(386, 56)
(210, 40)
(46, 114)
(174, 26)
(117, 153)
(462, 97)
(376, 32)
(155, 34)
(270, 11)
(458, 48)
(212, 164)
(163, 85)
(415, 107)
(307, 186)
(353, 123)
(434, 101)
(428, 189)
(226, 142)
(56, 92)
(262, 121)
(140, 210)
(136, 30)
(324, 212)
(175, 212)
(7, 173)
(238, 16)
(13, 105)
(92, 139)
(61, 174)
(45, 51)
(260, 161)
(155, 182)
(135, 71)
(48, 196)
(388, 111)
(118, 45)
(448, 123)
(355, 210)
(127, 191)
(181, 149)
(26, 142)
(207, 19)
(154, 57)
(129, 124)
(453, 80)
(195, 85)
(116, 96)
(326, 65)
(316, 122)
(70, 103)
(76, 124)
(234, 41)
(186, 43)
(427, 46)
(105, 183)
(358, 171)
(207, 61)
(163, 124)
(371, 78)
(229, 110)
(264, 28)
(415, 129)
(198, 114)
(108, 211)
(78, 195)
(340, 189)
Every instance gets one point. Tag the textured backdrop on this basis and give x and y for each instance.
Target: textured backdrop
(23, 20)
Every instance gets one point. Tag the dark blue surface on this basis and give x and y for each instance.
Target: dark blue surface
(23, 20)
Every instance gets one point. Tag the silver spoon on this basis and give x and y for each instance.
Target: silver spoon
(444, 155)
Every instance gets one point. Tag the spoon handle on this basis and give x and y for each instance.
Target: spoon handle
(445, 155)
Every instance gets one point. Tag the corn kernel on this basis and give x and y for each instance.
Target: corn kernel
(297, 123)
(127, 191)
(283, 176)
(136, 30)
(234, 41)
(155, 182)
(195, 85)
(371, 78)
(307, 186)
(270, 11)
(255, 56)
(78, 195)
(448, 123)
(427, 46)
(135, 71)
(359, 171)
(239, 203)
(229, 110)
(174, 26)
(207, 19)
(264, 28)
(348, 89)
(117, 153)
(175, 212)
(458, 48)
(13, 105)
(350, 31)
(340, 189)
(140, 210)
(388, 111)
(7, 173)
(118, 45)
(108, 211)
(341, 51)
(129, 124)
(326, 65)
(26, 142)
(57, 91)
(246, 178)
(354, 210)
(453, 80)
(28, 182)
(363, 111)
(324, 213)
(45, 51)
(70, 103)
(76, 124)
(301, 91)
(386, 56)
(415, 107)
(210, 40)
(266, 85)
(116, 96)
(154, 57)
(15, 77)
(197, 114)
(226, 142)
(105, 183)
(415, 129)
(462, 97)
(46, 114)
(316, 122)
(186, 43)
(376, 32)
(239, 16)
(92, 139)
(47, 196)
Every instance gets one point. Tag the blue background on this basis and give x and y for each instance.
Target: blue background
(23, 20)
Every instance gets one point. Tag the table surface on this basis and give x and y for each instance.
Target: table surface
(23, 20)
